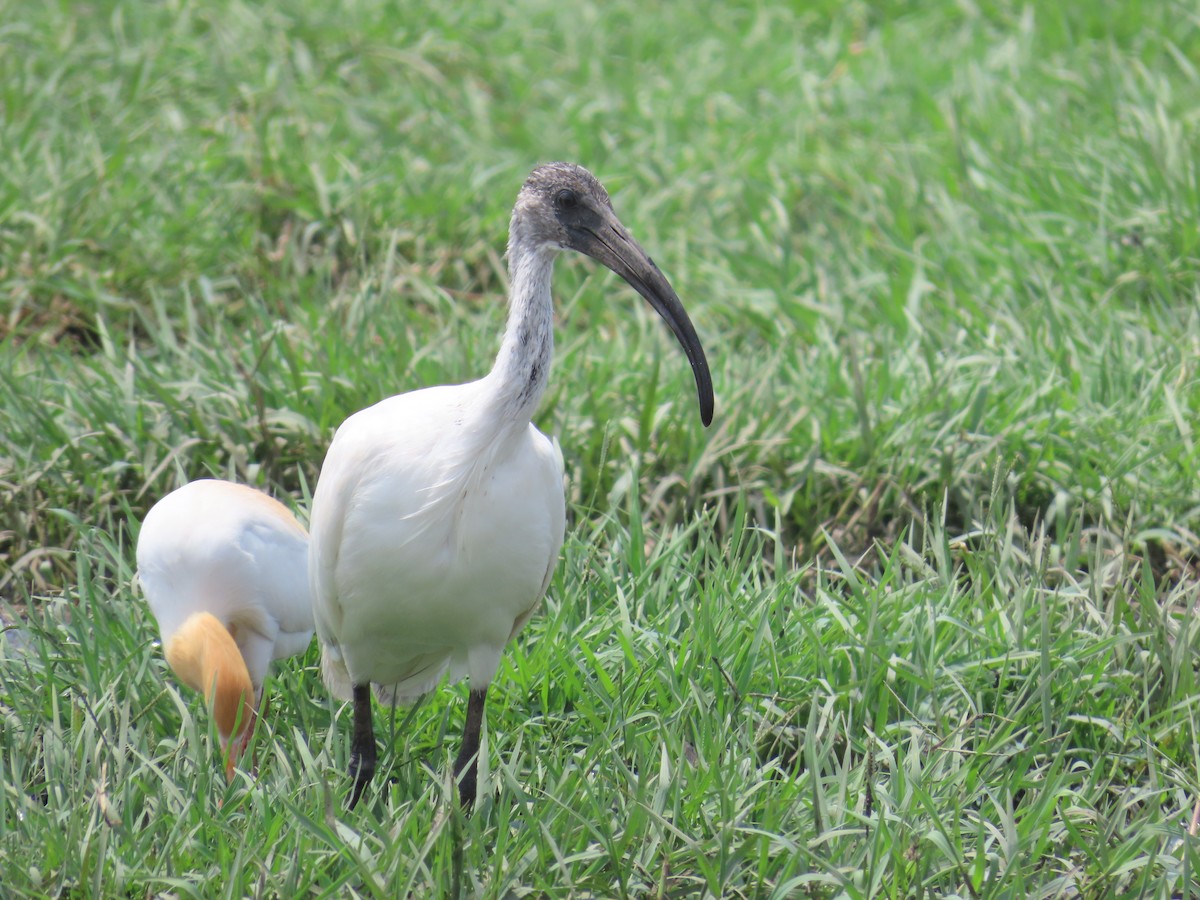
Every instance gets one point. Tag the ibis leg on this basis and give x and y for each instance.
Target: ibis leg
(466, 766)
(362, 748)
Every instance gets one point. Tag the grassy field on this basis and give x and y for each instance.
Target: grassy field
(915, 617)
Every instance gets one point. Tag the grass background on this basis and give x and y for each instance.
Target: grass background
(915, 617)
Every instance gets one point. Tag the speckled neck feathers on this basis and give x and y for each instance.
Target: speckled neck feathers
(519, 377)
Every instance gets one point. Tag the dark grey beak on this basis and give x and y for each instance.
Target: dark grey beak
(609, 243)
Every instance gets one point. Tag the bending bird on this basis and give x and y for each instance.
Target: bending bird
(224, 569)
(439, 514)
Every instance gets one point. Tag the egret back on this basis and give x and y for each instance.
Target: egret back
(229, 550)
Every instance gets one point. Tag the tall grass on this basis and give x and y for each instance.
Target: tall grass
(913, 618)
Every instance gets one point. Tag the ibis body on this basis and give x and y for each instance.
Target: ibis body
(224, 569)
(439, 514)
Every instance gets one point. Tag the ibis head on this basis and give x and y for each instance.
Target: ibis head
(563, 206)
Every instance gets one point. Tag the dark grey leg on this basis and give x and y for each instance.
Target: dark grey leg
(362, 748)
(468, 756)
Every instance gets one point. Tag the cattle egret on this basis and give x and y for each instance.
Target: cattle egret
(225, 570)
(439, 514)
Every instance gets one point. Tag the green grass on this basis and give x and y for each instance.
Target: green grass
(915, 617)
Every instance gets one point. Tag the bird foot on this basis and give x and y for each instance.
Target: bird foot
(362, 770)
(466, 789)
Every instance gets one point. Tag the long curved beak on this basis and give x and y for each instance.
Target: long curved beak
(609, 243)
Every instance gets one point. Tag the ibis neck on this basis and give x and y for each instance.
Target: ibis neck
(518, 378)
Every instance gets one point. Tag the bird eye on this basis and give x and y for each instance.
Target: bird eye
(566, 199)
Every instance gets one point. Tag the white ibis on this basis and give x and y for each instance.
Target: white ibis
(225, 570)
(439, 514)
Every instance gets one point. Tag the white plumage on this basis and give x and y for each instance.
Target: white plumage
(422, 510)
(439, 514)
(214, 548)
